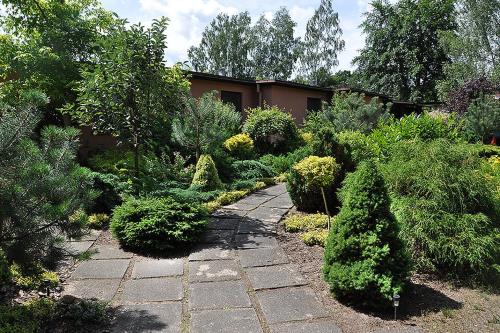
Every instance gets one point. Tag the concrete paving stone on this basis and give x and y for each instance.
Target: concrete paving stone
(256, 227)
(152, 290)
(211, 252)
(76, 248)
(240, 206)
(307, 327)
(281, 201)
(266, 214)
(255, 199)
(275, 276)
(273, 190)
(149, 268)
(150, 318)
(103, 290)
(254, 241)
(101, 269)
(216, 270)
(290, 304)
(229, 213)
(218, 295)
(91, 235)
(217, 237)
(225, 321)
(262, 257)
(110, 252)
(220, 223)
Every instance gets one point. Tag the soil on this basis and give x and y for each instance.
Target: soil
(430, 305)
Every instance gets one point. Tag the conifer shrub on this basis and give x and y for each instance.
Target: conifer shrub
(250, 169)
(240, 146)
(206, 176)
(157, 224)
(306, 179)
(365, 260)
(272, 130)
(282, 163)
(359, 146)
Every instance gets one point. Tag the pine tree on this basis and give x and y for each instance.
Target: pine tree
(365, 260)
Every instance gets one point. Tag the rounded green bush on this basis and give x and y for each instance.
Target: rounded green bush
(240, 146)
(359, 146)
(206, 177)
(157, 223)
(306, 179)
(272, 130)
(365, 260)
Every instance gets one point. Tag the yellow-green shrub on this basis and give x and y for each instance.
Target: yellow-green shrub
(307, 137)
(206, 176)
(240, 146)
(98, 221)
(34, 279)
(315, 237)
(302, 222)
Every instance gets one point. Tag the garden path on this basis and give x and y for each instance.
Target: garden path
(237, 280)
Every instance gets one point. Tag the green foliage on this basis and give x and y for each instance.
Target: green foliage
(402, 56)
(272, 130)
(26, 318)
(157, 224)
(446, 206)
(206, 176)
(98, 221)
(240, 146)
(306, 179)
(359, 146)
(326, 143)
(250, 169)
(424, 127)
(41, 185)
(110, 189)
(32, 278)
(315, 237)
(305, 222)
(350, 112)
(4, 268)
(482, 118)
(283, 163)
(365, 261)
(204, 124)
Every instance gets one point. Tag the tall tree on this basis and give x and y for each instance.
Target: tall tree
(402, 56)
(275, 50)
(321, 45)
(474, 48)
(129, 92)
(224, 47)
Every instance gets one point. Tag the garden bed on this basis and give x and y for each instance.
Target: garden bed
(430, 305)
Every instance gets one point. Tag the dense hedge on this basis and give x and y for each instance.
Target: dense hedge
(157, 223)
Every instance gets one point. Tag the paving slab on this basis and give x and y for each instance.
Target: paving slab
(218, 295)
(400, 330)
(254, 199)
(254, 241)
(256, 227)
(149, 268)
(91, 235)
(76, 248)
(307, 327)
(219, 223)
(215, 270)
(281, 201)
(275, 277)
(262, 257)
(266, 214)
(290, 304)
(237, 206)
(103, 290)
(110, 252)
(152, 290)
(211, 252)
(229, 213)
(150, 318)
(101, 269)
(273, 190)
(225, 321)
(217, 237)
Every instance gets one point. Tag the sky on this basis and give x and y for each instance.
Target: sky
(188, 19)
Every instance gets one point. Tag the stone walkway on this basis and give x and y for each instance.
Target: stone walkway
(237, 280)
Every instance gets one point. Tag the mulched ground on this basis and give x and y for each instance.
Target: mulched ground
(430, 305)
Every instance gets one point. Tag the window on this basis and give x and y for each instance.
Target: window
(313, 104)
(233, 98)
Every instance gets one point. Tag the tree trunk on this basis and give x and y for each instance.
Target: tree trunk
(136, 157)
(326, 206)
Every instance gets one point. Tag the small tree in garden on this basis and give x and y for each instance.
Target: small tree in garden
(206, 176)
(365, 261)
(482, 118)
(129, 92)
(204, 124)
(41, 184)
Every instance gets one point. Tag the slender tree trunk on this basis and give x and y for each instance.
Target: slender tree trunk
(136, 157)
(326, 206)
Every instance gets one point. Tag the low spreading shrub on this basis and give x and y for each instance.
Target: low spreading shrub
(305, 222)
(282, 163)
(32, 278)
(315, 237)
(240, 146)
(365, 261)
(306, 180)
(98, 221)
(272, 130)
(446, 203)
(157, 223)
(206, 176)
(250, 169)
